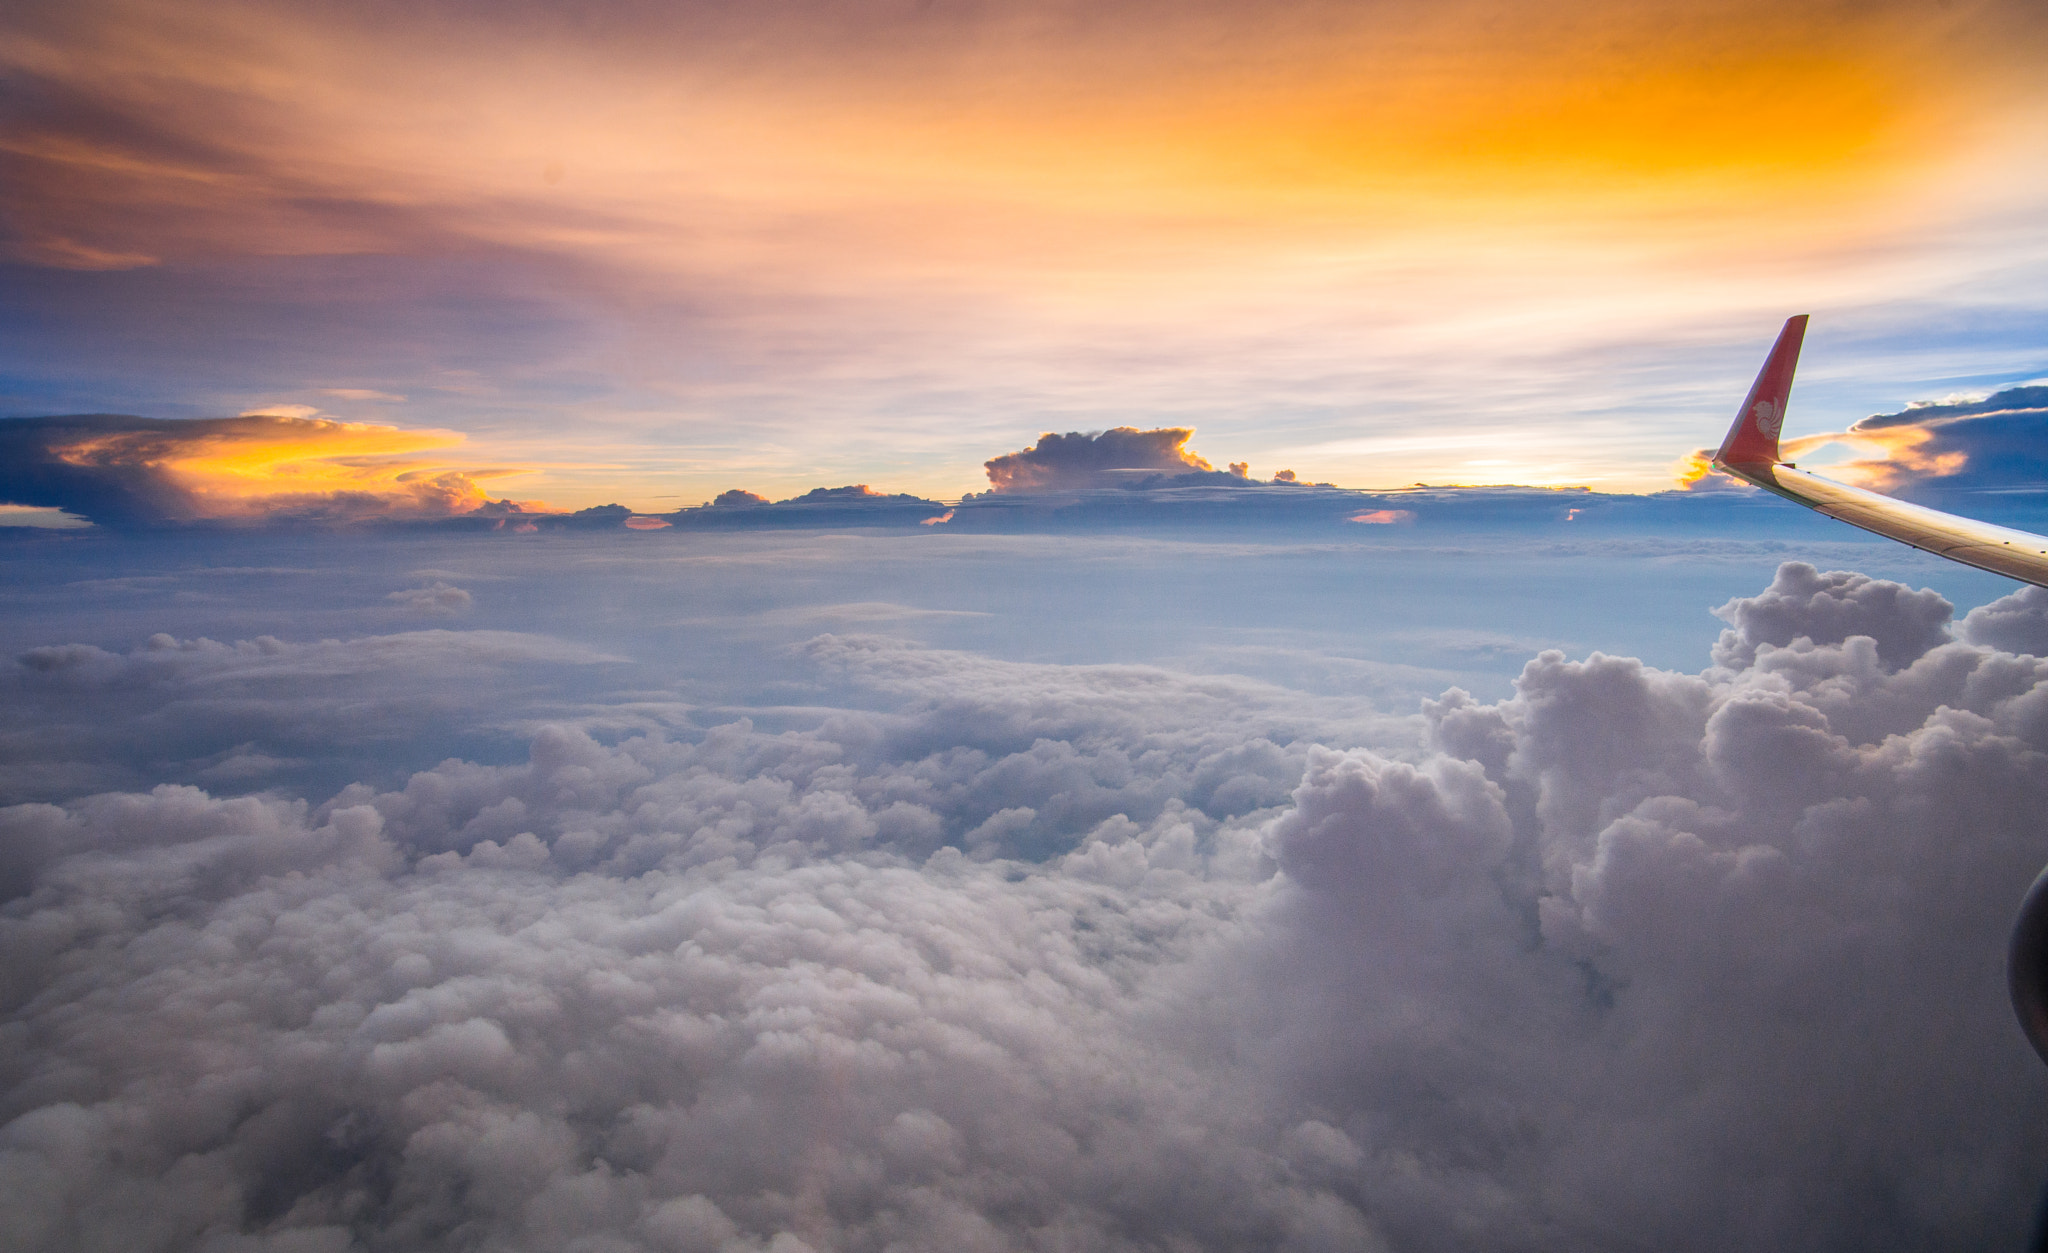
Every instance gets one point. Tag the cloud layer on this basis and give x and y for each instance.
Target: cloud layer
(301, 472)
(80, 718)
(1051, 957)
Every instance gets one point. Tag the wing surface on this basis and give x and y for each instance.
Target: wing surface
(1750, 453)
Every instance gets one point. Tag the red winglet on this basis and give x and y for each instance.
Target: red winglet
(1753, 440)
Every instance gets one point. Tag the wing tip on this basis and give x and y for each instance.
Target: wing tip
(1753, 439)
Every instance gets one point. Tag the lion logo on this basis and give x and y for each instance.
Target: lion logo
(1768, 418)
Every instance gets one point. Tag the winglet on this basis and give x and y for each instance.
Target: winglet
(1753, 440)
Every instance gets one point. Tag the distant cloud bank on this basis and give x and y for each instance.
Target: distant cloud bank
(292, 468)
(279, 469)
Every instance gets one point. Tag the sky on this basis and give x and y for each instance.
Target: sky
(796, 628)
(650, 253)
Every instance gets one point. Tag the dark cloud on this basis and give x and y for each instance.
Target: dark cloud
(1122, 456)
(1049, 956)
(113, 491)
(140, 473)
(1950, 452)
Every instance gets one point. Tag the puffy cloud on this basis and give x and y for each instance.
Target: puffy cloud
(1041, 956)
(2017, 623)
(262, 466)
(1804, 604)
(1685, 942)
(853, 1049)
(1122, 456)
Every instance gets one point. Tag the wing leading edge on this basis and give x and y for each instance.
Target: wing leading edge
(1750, 453)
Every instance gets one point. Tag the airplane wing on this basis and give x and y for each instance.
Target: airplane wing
(1750, 453)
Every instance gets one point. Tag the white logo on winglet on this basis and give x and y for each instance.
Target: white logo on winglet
(1768, 418)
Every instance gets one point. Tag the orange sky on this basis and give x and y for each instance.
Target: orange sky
(795, 244)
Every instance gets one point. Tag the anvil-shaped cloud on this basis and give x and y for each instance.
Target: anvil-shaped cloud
(139, 472)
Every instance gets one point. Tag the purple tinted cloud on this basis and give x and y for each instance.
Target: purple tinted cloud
(1119, 457)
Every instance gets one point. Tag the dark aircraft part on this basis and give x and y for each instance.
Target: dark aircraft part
(2026, 966)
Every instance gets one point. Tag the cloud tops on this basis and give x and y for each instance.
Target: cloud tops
(1119, 457)
(1028, 955)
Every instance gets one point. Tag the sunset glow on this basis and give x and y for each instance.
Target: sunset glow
(262, 464)
(708, 237)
